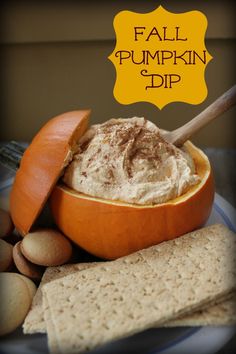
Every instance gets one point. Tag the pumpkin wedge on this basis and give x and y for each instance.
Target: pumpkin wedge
(42, 164)
(110, 229)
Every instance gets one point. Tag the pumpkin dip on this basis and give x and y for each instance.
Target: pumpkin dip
(128, 160)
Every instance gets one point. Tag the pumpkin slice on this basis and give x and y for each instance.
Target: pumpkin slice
(42, 164)
(110, 229)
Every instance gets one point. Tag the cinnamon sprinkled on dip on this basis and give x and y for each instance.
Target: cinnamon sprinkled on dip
(128, 160)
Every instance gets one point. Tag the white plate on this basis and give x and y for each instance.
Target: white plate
(194, 340)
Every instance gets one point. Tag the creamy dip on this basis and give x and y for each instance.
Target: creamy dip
(128, 160)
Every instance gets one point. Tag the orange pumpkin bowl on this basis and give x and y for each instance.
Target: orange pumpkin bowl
(110, 229)
(42, 164)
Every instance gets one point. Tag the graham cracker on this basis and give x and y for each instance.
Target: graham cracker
(223, 313)
(52, 343)
(34, 321)
(146, 289)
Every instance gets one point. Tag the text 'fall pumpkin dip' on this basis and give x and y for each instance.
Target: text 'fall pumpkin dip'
(122, 186)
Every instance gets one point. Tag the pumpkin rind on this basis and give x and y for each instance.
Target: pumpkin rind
(110, 229)
(42, 165)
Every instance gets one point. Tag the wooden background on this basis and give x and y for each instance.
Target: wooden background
(54, 59)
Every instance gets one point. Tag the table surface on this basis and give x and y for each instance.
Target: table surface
(223, 162)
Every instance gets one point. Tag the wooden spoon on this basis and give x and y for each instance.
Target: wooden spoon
(221, 105)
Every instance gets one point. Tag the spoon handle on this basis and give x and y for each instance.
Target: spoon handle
(221, 105)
